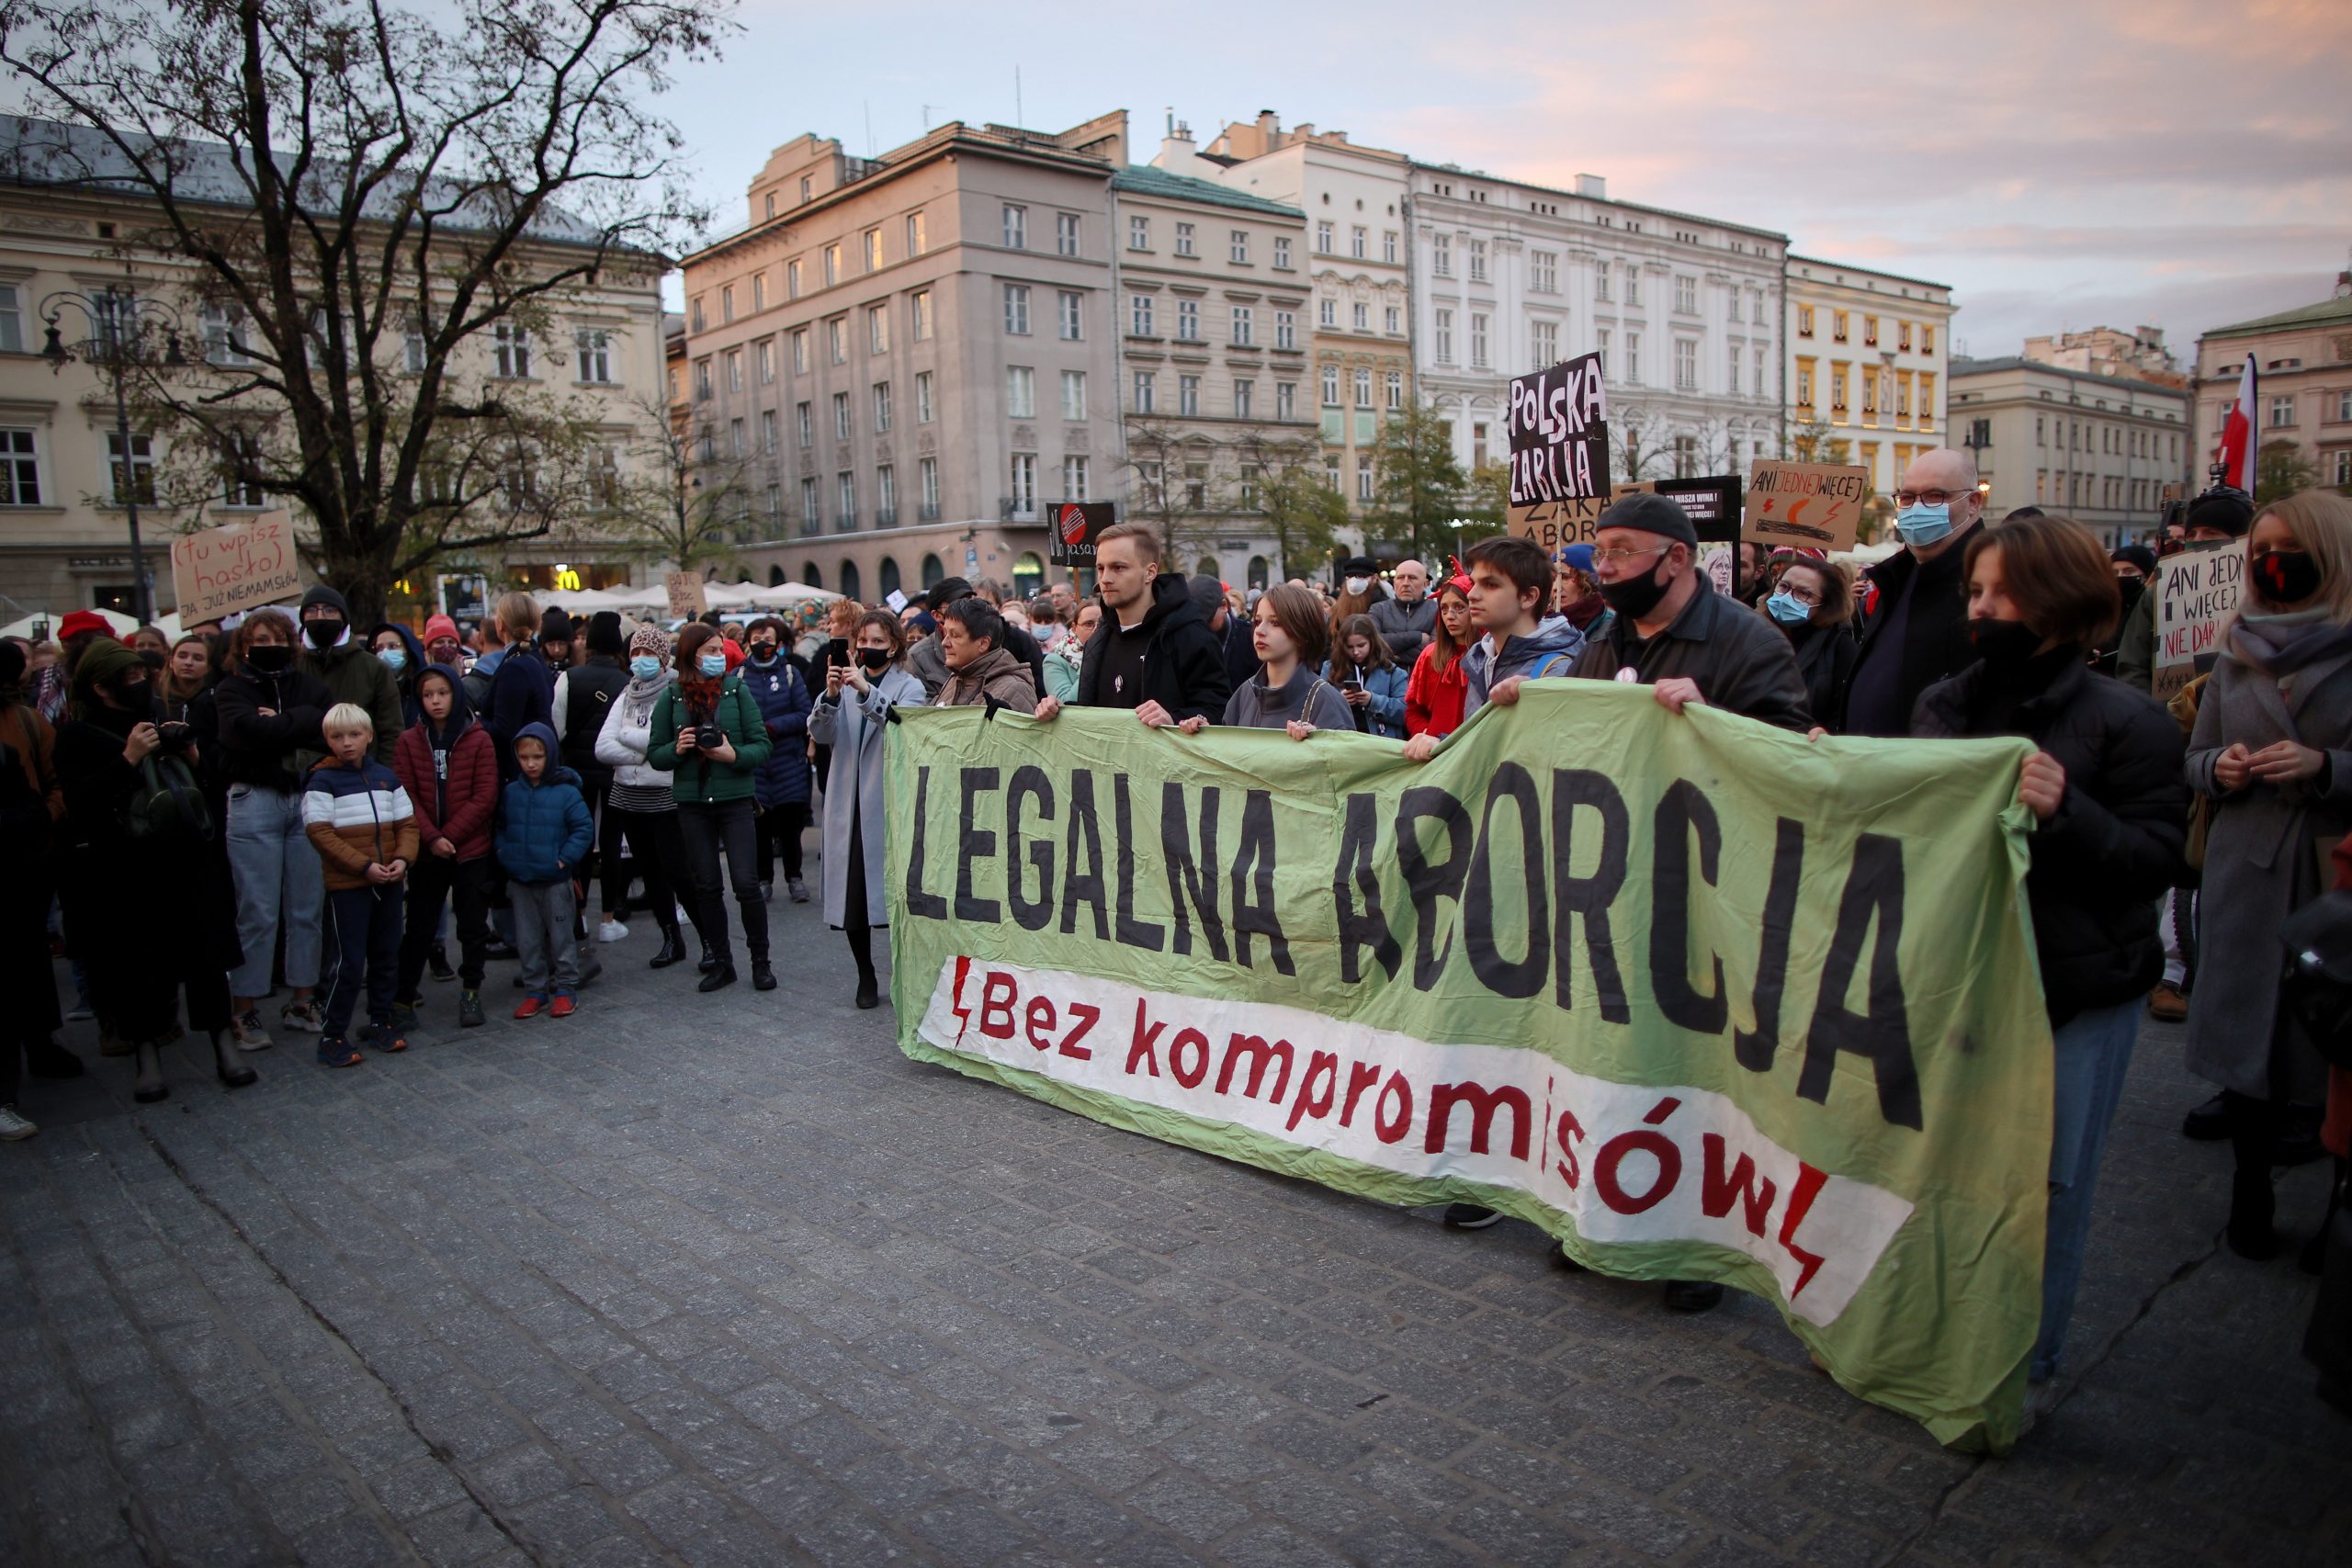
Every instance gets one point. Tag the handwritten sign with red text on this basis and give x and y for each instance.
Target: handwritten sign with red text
(242, 566)
(2196, 592)
(1814, 505)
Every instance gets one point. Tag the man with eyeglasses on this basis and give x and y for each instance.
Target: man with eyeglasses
(1917, 631)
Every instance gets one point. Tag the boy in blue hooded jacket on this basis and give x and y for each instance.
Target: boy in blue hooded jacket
(544, 832)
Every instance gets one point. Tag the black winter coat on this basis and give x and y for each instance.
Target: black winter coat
(2114, 846)
(1826, 660)
(255, 749)
(1184, 661)
(1935, 637)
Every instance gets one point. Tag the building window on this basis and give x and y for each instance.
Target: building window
(1238, 246)
(1286, 332)
(1071, 315)
(1396, 391)
(734, 357)
(792, 279)
(1245, 395)
(1184, 240)
(1731, 304)
(1282, 252)
(1441, 254)
(1020, 392)
(693, 310)
(804, 423)
(1731, 379)
(1633, 358)
(1544, 345)
(1633, 284)
(1388, 247)
(1394, 321)
(840, 416)
(1686, 296)
(872, 245)
(1330, 386)
(922, 397)
(1285, 400)
(1478, 445)
(845, 492)
(1360, 317)
(881, 407)
(139, 480)
(12, 320)
(1323, 239)
(1478, 339)
(1139, 314)
(1188, 397)
(886, 496)
(1327, 311)
(1601, 280)
(811, 514)
(1144, 388)
(1443, 347)
(918, 307)
(1244, 325)
(1358, 242)
(877, 329)
(1024, 484)
(763, 356)
(702, 381)
(1065, 233)
(1686, 364)
(1478, 260)
(240, 469)
(1838, 326)
(735, 438)
(833, 257)
(775, 508)
(837, 339)
(224, 331)
(767, 430)
(1016, 308)
(1139, 233)
(916, 240)
(800, 351)
(413, 354)
(511, 350)
(1188, 319)
(1364, 477)
(927, 478)
(1074, 394)
(1363, 389)
(1870, 331)
(1544, 272)
(1016, 228)
(1074, 479)
(2282, 413)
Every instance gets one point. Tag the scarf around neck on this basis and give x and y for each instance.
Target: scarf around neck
(2284, 643)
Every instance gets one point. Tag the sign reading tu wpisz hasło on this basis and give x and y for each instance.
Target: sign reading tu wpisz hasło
(1699, 998)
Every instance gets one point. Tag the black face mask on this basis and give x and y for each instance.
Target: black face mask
(270, 657)
(2131, 588)
(1634, 596)
(2286, 577)
(322, 632)
(131, 693)
(762, 652)
(876, 660)
(2005, 646)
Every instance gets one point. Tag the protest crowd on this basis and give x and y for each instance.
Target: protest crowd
(333, 813)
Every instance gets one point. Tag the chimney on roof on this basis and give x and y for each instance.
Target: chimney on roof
(1594, 186)
(1269, 123)
(2343, 286)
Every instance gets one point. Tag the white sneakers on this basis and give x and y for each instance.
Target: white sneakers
(302, 1016)
(14, 1128)
(251, 1035)
(611, 930)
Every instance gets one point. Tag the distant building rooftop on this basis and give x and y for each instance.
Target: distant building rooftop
(1142, 179)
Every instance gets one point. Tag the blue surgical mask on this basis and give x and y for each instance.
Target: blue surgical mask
(645, 667)
(712, 664)
(1920, 524)
(1787, 609)
(395, 658)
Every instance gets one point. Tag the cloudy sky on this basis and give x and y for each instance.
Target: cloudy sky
(2060, 162)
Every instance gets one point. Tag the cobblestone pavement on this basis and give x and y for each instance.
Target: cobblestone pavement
(718, 1279)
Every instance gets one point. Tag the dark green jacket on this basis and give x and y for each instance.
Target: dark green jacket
(698, 781)
(354, 674)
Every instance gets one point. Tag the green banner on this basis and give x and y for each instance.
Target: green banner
(1702, 1000)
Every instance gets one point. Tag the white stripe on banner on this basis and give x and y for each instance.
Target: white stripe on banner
(1621, 1162)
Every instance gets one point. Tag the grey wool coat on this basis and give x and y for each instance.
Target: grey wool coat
(2263, 852)
(854, 727)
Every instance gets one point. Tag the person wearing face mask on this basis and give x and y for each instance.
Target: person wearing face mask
(584, 695)
(708, 735)
(398, 649)
(1358, 590)
(780, 792)
(1675, 634)
(1811, 603)
(111, 753)
(270, 710)
(2135, 571)
(2219, 516)
(443, 645)
(2272, 750)
(2104, 786)
(1918, 629)
(639, 805)
(349, 667)
(852, 717)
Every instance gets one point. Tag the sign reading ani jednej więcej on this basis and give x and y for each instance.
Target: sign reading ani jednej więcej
(1701, 999)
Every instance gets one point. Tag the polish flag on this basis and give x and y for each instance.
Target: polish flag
(2236, 453)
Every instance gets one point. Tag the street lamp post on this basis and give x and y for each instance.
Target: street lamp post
(119, 321)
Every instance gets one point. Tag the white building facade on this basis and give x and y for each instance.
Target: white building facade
(1685, 312)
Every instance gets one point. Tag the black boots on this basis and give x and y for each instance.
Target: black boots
(718, 974)
(762, 976)
(672, 950)
(869, 993)
(2253, 1129)
(709, 960)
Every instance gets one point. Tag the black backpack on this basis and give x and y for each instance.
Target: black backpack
(167, 806)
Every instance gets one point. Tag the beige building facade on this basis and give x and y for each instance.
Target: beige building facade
(1869, 366)
(900, 364)
(2100, 450)
(2302, 362)
(65, 524)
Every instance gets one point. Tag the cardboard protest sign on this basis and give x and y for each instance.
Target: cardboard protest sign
(1076, 525)
(2196, 589)
(1812, 506)
(685, 592)
(1701, 999)
(1559, 441)
(241, 566)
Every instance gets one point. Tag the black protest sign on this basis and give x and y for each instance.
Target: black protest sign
(1076, 524)
(1559, 437)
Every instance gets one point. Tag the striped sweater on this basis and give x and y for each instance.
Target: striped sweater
(357, 817)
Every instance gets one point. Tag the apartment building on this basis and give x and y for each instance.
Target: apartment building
(1353, 199)
(2100, 450)
(66, 473)
(2302, 362)
(1215, 362)
(1869, 366)
(900, 362)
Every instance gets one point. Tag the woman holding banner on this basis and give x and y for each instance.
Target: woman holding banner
(2104, 787)
(2273, 751)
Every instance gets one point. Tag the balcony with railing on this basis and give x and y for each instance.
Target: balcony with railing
(1019, 509)
(847, 522)
(886, 517)
(928, 512)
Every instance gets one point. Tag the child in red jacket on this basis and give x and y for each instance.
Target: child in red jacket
(448, 764)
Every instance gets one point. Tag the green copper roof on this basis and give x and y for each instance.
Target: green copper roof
(1144, 180)
(2328, 312)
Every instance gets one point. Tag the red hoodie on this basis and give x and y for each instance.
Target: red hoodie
(461, 809)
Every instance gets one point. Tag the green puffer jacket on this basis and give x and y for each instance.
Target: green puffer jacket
(697, 780)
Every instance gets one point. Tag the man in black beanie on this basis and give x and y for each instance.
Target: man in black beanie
(555, 639)
(1232, 632)
(2221, 514)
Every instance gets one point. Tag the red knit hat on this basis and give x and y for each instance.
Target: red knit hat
(438, 627)
(82, 621)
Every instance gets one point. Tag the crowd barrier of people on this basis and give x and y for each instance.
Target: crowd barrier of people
(318, 806)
